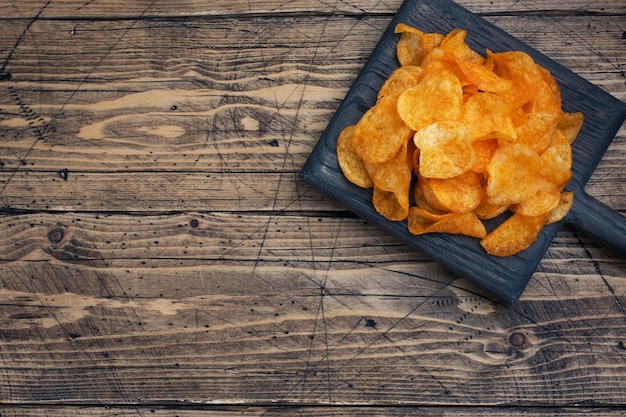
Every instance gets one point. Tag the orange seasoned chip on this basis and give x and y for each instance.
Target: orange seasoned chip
(486, 113)
(540, 203)
(484, 78)
(350, 163)
(438, 96)
(413, 44)
(486, 210)
(392, 206)
(425, 198)
(560, 211)
(516, 173)
(445, 149)
(545, 101)
(570, 125)
(534, 130)
(558, 159)
(420, 221)
(380, 133)
(514, 235)
(459, 194)
(393, 175)
(483, 150)
(520, 68)
(399, 81)
(454, 43)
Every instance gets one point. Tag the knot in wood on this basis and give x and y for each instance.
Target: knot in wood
(517, 339)
(56, 235)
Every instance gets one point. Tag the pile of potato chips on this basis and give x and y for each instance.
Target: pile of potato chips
(456, 138)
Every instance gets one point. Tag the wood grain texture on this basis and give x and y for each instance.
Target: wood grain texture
(159, 256)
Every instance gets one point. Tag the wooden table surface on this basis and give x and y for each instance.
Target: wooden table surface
(160, 257)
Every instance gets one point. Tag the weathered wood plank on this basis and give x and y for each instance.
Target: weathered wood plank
(151, 8)
(159, 410)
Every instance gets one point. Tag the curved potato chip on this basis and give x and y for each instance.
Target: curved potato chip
(392, 206)
(445, 149)
(380, 132)
(515, 173)
(540, 203)
(425, 198)
(486, 210)
(534, 130)
(545, 101)
(459, 194)
(514, 235)
(350, 163)
(420, 221)
(483, 78)
(520, 68)
(570, 125)
(558, 159)
(399, 81)
(483, 150)
(413, 44)
(393, 175)
(438, 96)
(486, 113)
(560, 211)
(551, 82)
(454, 42)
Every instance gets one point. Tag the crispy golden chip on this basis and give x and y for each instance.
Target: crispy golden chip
(445, 149)
(560, 211)
(380, 133)
(534, 130)
(350, 163)
(514, 235)
(393, 175)
(520, 68)
(484, 78)
(413, 44)
(454, 43)
(459, 194)
(438, 96)
(420, 221)
(425, 198)
(545, 101)
(486, 210)
(516, 173)
(486, 113)
(399, 81)
(570, 125)
(558, 159)
(392, 206)
(483, 150)
(540, 203)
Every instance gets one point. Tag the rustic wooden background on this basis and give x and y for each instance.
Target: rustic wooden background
(159, 256)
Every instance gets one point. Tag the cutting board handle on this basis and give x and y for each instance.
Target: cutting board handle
(597, 220)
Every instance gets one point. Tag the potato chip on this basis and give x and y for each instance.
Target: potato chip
(400, 80)
(380, 133)
(540, 203)
(520, 68)
(437, 97)
(570, 125)
(534, 130)
(350, 163)
(560, 211)
(514, 235)
(486, 113)
(454, 43)
(413, 44)
(421, 221)
(425, 198)
(483, 78)
(558, 159)
(483, 151)
(516, 173)
(445, 149)
(392, 206)
(544, 101)
(459, 194)
(393, 175)
(486, 210)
